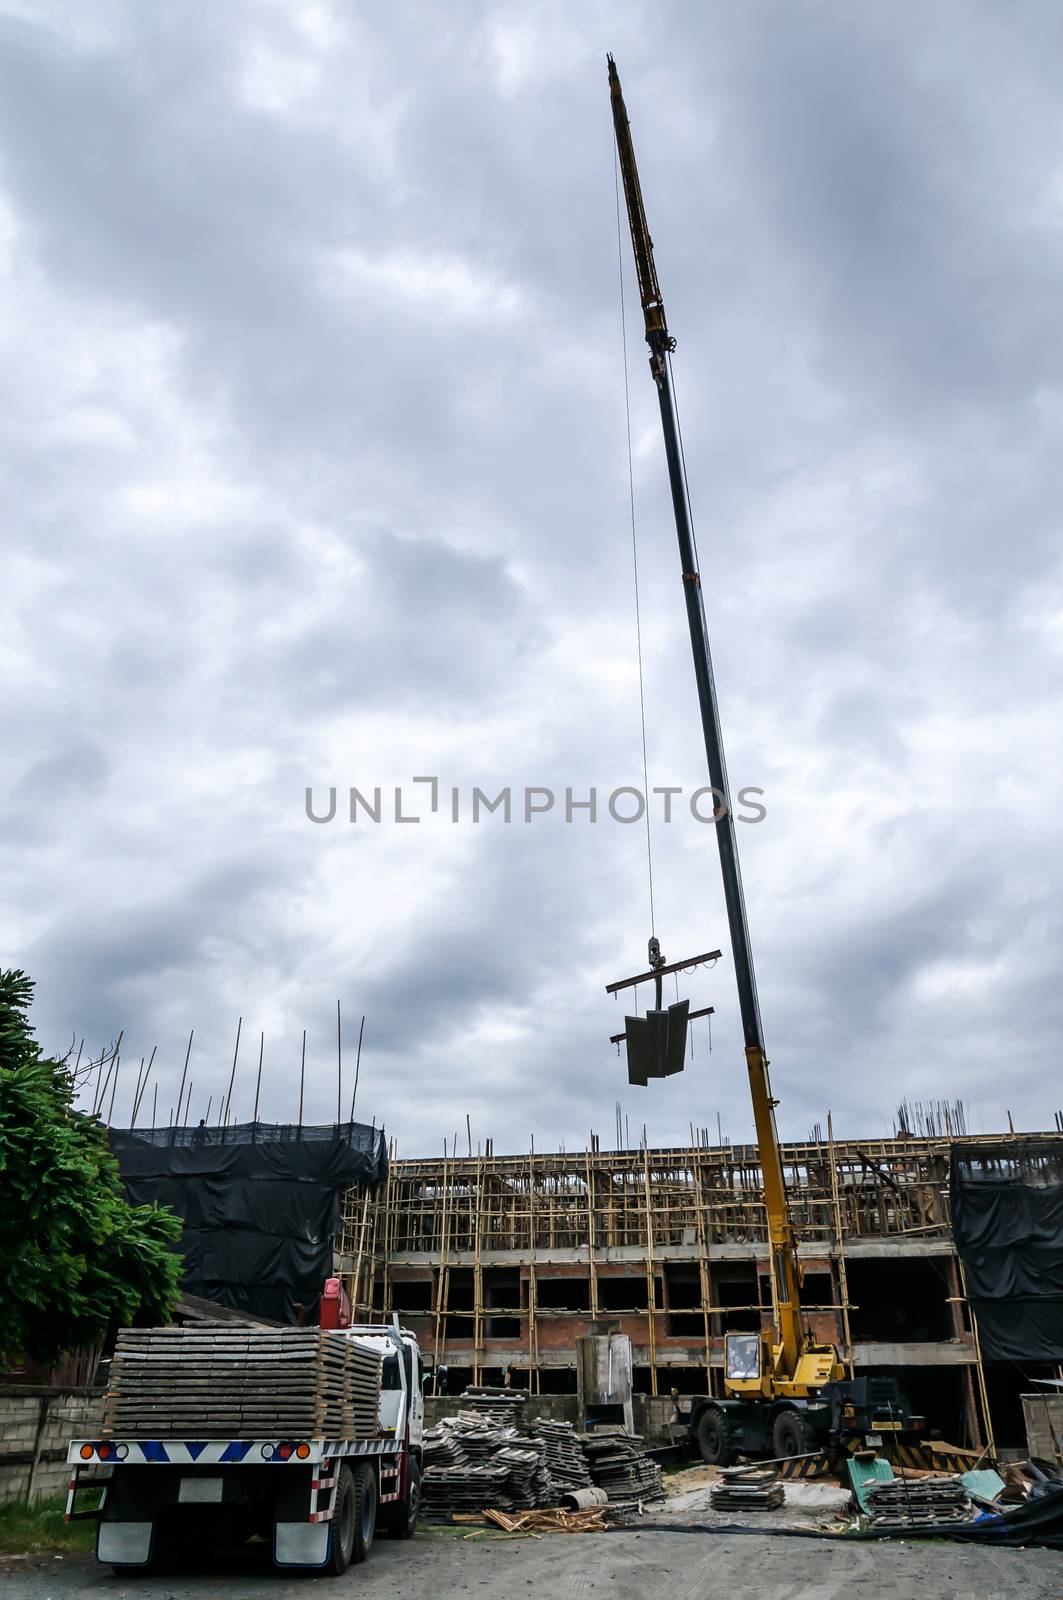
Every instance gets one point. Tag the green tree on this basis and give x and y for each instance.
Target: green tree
(75, 1257)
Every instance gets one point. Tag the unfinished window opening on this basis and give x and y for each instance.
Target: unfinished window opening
(459, 1289)
(557, 1380)
(502, 1289)
(563, 1294)
(817, 1291)
(905, 1301)
(622, 1294)
(685, 1380)
(737, 1291)
(460, 1328)
(683, 1286)
(503, 1327)
(457, 1379)
(686, 1325)
(413, 1296)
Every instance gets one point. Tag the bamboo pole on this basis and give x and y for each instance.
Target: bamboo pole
(982, 1389)
(357, 1065)
(477, 1273)
(136, 1093)
(533, 1291)
(441, 1277)
(114, 1091)
(839, 1236)
(651, 1282)
(591, 1261)
(970, 1409)
(184, 1075)
(224, 1116)
(258, 1080)
(302, 1079)
(144, 1085)
(339, 1065)
(357, 1275)
(703, 1265)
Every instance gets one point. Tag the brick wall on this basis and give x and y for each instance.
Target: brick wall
(35, 1427)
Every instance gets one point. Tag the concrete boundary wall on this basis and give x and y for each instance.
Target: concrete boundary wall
(36, 1425)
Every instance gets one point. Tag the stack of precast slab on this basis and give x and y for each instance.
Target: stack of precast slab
(218, 1382)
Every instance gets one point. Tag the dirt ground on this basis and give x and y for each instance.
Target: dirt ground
(676, 1565)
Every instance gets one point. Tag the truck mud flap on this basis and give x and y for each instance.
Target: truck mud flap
(301, 1544)
(124, 1544)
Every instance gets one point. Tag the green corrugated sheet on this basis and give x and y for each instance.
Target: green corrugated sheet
(863, 1473)
(986, 1483)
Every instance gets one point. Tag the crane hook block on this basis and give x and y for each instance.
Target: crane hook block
(656, 1043)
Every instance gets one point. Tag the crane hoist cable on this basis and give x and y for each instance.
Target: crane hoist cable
(634, 539)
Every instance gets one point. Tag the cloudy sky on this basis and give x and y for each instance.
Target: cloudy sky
(313, 468)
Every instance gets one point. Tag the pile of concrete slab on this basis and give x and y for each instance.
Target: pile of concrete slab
(502, 1407)
(471, 1462)
(745, 1489)
(619, 1464)
(566, 1459)
(918, 1503)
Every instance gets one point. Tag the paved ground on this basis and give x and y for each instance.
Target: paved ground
(614, 1566)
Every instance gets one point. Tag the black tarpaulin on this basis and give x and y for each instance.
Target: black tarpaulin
(260, 1204)
(1007, 1217)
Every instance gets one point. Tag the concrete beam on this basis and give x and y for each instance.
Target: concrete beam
(632, 1256)
(913, 1355)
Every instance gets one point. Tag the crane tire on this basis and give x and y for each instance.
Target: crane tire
(716, 1437)
(792, 1435)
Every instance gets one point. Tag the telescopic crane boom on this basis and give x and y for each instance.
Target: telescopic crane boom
(794, 1361)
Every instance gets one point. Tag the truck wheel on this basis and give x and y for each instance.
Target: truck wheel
(398, 1519)
(716, 1438)
(344, 1521)
(365, 1504)
(791, 1434)
(412, 1508)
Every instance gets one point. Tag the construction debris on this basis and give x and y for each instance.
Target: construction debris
(555, 1520)
(225, 1382)
(619, 1464)
(927, 1502)
(738, 1488)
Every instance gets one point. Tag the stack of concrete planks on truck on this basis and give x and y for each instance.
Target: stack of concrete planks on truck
(221, 1382)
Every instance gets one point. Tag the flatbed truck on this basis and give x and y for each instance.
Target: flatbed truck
(318, 1501)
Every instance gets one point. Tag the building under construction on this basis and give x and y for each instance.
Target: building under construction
(499, 1263)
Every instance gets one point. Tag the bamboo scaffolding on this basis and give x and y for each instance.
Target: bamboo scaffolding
(611, 1216)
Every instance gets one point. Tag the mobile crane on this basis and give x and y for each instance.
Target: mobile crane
(784, 1394)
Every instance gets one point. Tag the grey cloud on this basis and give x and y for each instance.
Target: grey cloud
(313, 459)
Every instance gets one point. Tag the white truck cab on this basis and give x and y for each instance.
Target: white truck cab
(401, 1397)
